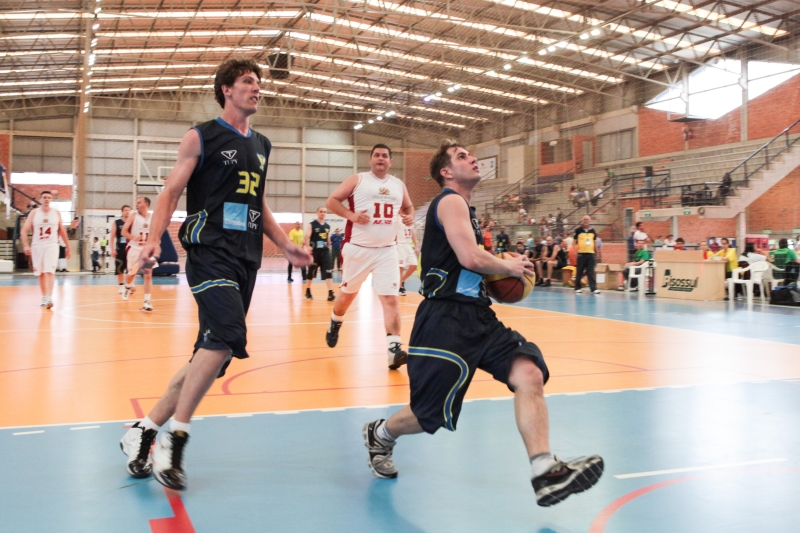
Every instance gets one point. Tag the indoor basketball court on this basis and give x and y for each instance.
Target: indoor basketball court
(675, 120)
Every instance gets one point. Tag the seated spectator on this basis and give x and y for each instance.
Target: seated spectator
(785, 259)
(573, 195)
(750, 255)
(522, 217)
(639, 258)
(583, 197)
(680, 244)
(668, 243)
(727, 254)
(597, 194)
(610, 177)
(707, 254)
(725, 186)
(521, 249)
(552, 256)
(529, 242)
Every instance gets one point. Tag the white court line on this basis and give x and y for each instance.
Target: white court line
(285, 412)
(242, 415)
(28, 432)
(84, 427)
(331, 409)
(700, 468)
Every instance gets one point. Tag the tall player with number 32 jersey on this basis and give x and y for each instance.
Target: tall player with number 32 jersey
(370, 244)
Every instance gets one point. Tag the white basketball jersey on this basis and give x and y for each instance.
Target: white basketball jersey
(381, 199)
(403, 232)
(45, 226)
(140, 229)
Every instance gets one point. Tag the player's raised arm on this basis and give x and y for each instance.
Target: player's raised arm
(336, 200)
(455, 217)
(189, 153)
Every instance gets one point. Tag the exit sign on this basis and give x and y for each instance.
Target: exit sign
(646, 214)
(687, 211)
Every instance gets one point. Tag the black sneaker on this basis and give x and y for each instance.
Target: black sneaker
(136, 444)
(547, 283)
(397, 356)
(289, 280)
(168, 459)
(331, 296)
(332, 335)
(380, 452)
(308, 295)
(565, 478)
(402, 291)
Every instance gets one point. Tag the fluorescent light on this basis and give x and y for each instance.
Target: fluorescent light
(542, 52)
(584, 36)
(358, 126)
(379, 117)
(370, 121)
(596, 32)
(507, 66)
(551, 48)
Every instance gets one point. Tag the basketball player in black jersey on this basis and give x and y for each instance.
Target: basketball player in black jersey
(222, 164)
(119, 253)
(456, 332)
(318, 242)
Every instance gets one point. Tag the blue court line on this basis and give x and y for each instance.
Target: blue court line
(308, 472)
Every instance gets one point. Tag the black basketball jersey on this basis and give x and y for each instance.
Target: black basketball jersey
(442, 275)
(224, 196)
(120, 241)
(319, 235)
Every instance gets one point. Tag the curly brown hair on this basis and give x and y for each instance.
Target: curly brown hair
(227, 73)
(441, 159)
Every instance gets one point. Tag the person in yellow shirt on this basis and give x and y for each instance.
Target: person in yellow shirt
(296, 236)
(728, 254)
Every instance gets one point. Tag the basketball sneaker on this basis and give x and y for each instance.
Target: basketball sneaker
(332, 335)
(402, 291)
(308, 295)
(121, 289)
(168, 459)
(331, 296)
(578, 291)
(596, 291)
(147, 306)
(49, 304)
(565, 478)
(397, 356)
(126, 293)
(44, 301)
(380, 452)
(136, 444)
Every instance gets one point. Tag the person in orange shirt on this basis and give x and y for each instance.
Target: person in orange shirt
(487, 239)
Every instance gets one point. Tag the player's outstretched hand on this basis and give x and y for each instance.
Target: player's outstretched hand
(360, 218)
(408, 220)
(147, 258)
(297, 256)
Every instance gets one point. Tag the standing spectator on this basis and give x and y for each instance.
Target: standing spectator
(96, 255)
(631, 242)
(296, 235)
(336, 249)
(728, 254)
(560, 221)
(487, 239)
(522, 216)
(62, 255)
(544, 229)
(639, 258)
(503, 242)
(797, 244)
(640, 235)
(530, 243)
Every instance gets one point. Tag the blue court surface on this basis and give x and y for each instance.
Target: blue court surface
(704, 458)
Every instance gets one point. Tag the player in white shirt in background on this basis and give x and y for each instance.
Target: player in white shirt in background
(136, 230)
(406, 253)
(45, 224)
(370, 244)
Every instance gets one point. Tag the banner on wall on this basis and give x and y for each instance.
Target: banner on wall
(488, 168)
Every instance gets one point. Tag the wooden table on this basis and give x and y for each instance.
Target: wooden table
(684, 275)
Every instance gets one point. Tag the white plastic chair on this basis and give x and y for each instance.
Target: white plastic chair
(640, 274)
(768, 281)
(756, 270)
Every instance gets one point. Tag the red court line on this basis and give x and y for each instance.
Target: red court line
(601, 520)
(180, 523)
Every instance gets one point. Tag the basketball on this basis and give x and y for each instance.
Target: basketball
(506, 289)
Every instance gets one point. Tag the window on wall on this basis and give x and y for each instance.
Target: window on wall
(557, 151)
(616, 146)
(714, 90)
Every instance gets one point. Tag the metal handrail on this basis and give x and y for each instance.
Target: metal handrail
(518, 186)
(768, 158)
(588, 202)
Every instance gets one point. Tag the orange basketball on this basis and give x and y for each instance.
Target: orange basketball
(508, 290)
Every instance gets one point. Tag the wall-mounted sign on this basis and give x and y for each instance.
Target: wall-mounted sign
(488, 168)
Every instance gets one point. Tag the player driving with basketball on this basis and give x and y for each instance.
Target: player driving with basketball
(456, 332)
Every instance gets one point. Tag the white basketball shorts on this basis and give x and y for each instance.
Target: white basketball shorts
(360, 262)
(406, 256)
(44, 258)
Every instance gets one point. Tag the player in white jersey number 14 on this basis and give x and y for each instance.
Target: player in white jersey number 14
(44, 223)
(370, 247)
(136, 229)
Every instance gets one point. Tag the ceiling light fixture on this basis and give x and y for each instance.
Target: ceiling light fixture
(507, 66)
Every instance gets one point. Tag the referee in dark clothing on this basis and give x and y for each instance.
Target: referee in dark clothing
(586, 241)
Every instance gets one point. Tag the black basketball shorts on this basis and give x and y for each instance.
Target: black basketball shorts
(121, 261)
(450, 340)
(322, 261)
(222, 287)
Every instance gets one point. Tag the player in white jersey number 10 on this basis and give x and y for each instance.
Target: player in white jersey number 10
(44, 223)
(136, 229)
(370, 244)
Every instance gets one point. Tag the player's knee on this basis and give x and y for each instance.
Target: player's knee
(525, 375)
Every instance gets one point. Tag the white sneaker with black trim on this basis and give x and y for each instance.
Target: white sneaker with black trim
(136, 444)
(168, 459)
(147, 306)
(380, 452)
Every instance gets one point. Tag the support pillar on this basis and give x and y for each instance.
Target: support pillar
(674, 231)
(741, 231)
(303, 171)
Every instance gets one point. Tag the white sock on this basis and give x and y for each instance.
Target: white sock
(128, 287)
(392, 338)
(146, 297)
(336, 318)
(174, 425)
(383, 432)
(541, 463)
(146, 423)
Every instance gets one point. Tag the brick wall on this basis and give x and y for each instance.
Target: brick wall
(60, 192)
(774, 110)
(5, 153)
(421, 187)
(777, 209)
